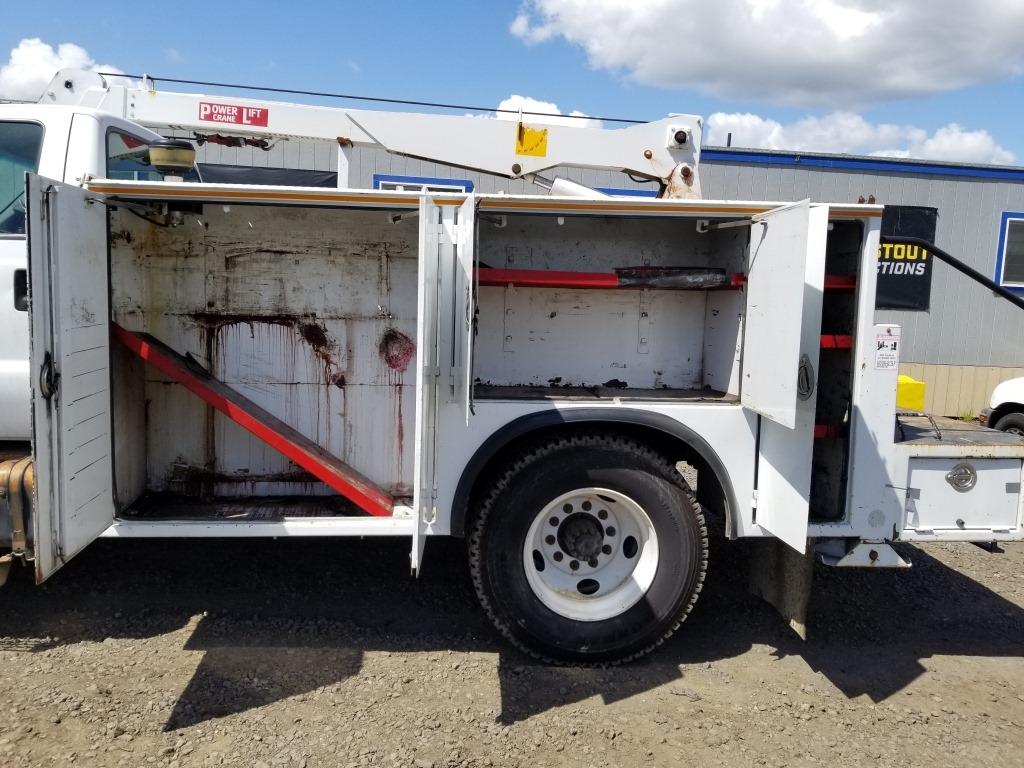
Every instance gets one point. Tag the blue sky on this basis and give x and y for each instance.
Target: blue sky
(859, 72)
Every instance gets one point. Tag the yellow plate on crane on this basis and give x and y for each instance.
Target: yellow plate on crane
(532, 142)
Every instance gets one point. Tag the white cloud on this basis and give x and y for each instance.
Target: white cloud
(851, 133)
(33, 63)
(548, 110)
(833, 53)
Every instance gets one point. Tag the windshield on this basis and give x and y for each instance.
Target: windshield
(19, 152)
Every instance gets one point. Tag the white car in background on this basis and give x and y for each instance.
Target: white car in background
(1006, 408)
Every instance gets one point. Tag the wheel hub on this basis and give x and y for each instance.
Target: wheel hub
(590, 554)
(581, 536)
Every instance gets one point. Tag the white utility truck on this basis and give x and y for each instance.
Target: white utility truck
(1006, 407)
(526, 372)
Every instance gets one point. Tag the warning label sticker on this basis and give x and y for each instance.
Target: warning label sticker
(887, 356)
(233, 113)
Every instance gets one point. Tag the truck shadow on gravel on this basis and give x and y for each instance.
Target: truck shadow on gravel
(280, 619)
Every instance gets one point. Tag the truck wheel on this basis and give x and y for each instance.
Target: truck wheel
(1012, 422)
(588, 549)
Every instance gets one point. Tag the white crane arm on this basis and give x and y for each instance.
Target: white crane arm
(666, 150)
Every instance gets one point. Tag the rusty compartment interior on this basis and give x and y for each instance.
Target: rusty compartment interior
(641, 340)
(308, 312)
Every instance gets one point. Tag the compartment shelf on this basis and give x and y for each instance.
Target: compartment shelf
(494, 392)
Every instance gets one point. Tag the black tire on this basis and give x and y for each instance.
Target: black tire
(538, 475)
(1012, 422)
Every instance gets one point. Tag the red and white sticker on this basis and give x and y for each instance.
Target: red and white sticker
(887, 353)
(213, 112)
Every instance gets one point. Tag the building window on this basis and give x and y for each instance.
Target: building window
(1010, 256)
(420, 184)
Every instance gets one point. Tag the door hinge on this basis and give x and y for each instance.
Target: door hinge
(49, 378)
(753, 499)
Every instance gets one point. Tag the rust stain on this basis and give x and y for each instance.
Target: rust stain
(397, 349)
(315, 335)
(313, 331)
(198, 481)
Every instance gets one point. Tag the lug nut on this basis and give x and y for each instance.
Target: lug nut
(574, 564)
(607, 549)
(610, 530)
(549, 539)
(592, 562)
(603, 514)
(558, 557)
(554, 521)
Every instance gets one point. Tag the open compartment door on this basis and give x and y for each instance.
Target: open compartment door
(428, 370)
(70, 363)
(781, 340)
(465, 302)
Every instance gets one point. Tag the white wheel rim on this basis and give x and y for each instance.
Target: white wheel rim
(591, 554)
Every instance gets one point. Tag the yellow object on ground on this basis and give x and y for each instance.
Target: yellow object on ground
(909, 394)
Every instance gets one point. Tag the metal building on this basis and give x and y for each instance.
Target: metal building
(967, 342)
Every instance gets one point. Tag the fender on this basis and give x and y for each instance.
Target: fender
(533, 421)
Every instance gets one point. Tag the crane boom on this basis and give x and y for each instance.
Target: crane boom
(666, 150)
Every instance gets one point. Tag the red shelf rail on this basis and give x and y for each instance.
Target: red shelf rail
(836, 341)
(553, 278)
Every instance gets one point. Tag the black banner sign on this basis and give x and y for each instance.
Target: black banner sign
(905, 271)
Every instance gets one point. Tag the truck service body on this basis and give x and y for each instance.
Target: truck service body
(526, 372)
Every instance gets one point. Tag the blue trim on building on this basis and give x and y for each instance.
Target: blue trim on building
(623, 193)
(879, 164)
(378, 178)
(1004, 229)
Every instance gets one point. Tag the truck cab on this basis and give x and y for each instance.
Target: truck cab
(68, 144)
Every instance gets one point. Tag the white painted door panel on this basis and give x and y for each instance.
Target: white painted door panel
(775, 287)
(782, 335)
(465, 304)
(70, 337)
(427, 372)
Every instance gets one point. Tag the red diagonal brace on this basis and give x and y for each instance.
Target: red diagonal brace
(264, 425)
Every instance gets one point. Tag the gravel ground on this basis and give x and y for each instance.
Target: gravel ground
(324, 653)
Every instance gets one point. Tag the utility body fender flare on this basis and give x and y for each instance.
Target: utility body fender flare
(532, 422)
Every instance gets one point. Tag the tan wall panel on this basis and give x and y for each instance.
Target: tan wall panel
(958, 390)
